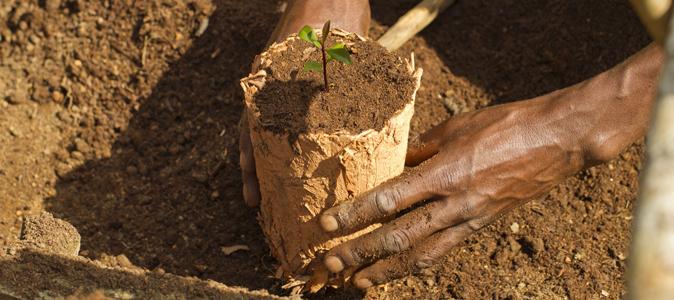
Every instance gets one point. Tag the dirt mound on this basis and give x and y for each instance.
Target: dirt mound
(121, 118)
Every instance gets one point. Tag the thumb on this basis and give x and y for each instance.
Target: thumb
(423, 147)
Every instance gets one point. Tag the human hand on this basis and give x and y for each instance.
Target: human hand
(475, 167)
(350, 15)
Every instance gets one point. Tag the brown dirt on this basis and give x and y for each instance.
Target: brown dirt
(118, 118)
(363, 95)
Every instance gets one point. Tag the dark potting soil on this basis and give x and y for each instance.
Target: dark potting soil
(361, 95)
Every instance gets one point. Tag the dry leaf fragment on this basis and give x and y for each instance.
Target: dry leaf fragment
(231, 249)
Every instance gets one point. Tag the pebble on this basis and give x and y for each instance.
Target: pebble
(62, 169)
(34, 39)
(430, 282)
(514, 227)
(514, 245)
(199, 176)
(131, 169)
(14, 132)
(77, 155)
(57, 97)
(81, 145)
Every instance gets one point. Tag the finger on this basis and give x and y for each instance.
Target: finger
(251, 191)
(422, 256)
(384, 200)
(397, 236)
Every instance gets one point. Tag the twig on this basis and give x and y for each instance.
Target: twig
(412, 22)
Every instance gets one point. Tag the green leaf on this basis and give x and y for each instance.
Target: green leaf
(338, 46)
(326, 31)
(313, 66)
(307, 33)
(340, 54)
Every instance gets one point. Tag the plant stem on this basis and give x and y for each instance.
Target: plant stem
(325, 68)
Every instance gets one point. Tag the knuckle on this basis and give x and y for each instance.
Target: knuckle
(396, 241)
(387, 202)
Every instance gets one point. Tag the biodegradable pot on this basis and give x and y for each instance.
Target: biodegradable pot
(301, 177)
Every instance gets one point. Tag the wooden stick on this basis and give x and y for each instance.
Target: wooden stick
(651, 268)
(654, 14)
(412, 22)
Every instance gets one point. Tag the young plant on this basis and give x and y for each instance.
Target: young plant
(337, 52)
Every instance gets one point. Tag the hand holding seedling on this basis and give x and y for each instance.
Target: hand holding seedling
(335, 52)
(478, 165)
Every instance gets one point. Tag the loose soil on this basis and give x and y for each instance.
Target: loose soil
(363, 95)
(121, 118)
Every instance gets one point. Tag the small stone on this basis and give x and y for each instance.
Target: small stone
(11, 251)
(521, 285)
(14, 132)
(621, 256)
(159, 271)
(131, 169)
(215, 195)
(578, 256)
(514, 227)
(34, 39)
(57, 97)
(200, 176)
(81, 145)
(514, 245)
(200, 267)
(430, 282)
(62, 170)
(605, 293)
(77, 155)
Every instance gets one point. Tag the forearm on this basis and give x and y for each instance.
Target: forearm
(349, 15)
(603, 115)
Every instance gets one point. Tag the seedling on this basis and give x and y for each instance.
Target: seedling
(337, 51)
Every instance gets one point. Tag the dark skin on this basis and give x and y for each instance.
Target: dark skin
(474, 167)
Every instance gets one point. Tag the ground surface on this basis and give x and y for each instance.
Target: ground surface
(121, 118)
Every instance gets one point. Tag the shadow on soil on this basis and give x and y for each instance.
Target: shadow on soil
(170, 195)
(527, 48)
(35, 275)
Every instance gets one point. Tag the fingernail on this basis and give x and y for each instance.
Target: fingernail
(329, 223)
(363, 283)
(334, 264)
